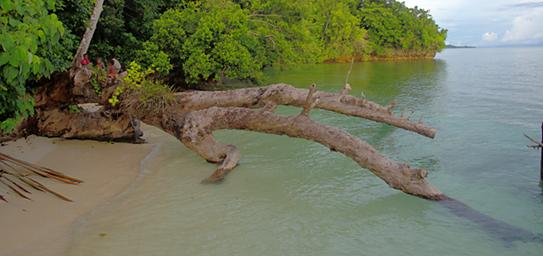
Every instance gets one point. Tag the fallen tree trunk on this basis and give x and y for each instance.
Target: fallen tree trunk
(193, 116)
(199, 125)
(283, 94)
(99, 125)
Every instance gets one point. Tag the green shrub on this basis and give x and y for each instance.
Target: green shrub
(30, 49)
(141, 94)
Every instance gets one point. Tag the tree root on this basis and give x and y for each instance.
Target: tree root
(100, 125)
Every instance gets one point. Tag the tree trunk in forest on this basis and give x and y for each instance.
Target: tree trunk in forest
(87, 37)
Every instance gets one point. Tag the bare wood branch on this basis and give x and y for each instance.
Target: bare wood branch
(345, 91)
(536, 145)
(193, 116)
(391, 106)
(269, 106)
(349, 72)
(283, 94)
(310, 100)
(199, 126)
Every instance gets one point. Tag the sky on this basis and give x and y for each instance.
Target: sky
(487, 22)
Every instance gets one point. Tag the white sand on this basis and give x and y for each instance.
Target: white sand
(43, 226)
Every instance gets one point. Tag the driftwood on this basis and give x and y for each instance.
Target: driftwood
(283, 94)
(193, 116)
(98, 125)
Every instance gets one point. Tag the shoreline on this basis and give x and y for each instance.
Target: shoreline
(44, 225)
(393, 55)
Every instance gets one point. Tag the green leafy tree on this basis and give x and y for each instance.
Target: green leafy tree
(152, 57)
(339, 28)
(30, 49)
(209, 40)
(285, 29)
(391, 24)
(123, 26)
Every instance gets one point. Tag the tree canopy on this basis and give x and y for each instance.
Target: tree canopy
(195, 42)
(31, 48)
(390, 24)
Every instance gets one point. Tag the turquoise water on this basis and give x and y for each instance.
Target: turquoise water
(293, 197)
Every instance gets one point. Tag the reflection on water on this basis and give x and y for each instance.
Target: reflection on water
(293, 197)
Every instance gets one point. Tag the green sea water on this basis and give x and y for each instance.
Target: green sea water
(294, 197)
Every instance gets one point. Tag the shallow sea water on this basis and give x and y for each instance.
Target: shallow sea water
(294, 197)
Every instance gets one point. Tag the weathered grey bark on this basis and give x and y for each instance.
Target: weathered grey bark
(87, 37)
(198, 127)
(194, 116)
(283, 94)
(99, 125)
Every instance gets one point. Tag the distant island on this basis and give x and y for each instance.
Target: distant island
(450, 46)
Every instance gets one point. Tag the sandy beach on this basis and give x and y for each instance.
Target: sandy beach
(43, 226)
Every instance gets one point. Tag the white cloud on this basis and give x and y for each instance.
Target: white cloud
(526, 28)
(490, 37)
(468, 20)
(442, 11)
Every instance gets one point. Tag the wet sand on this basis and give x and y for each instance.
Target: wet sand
(43, 226)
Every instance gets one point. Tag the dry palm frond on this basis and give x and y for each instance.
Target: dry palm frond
(16, 175)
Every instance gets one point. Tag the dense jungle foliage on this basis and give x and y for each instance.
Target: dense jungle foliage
(197, 42)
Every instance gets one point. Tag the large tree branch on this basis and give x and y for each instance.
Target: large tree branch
(193, 116)
(199, 126)
(283, 94)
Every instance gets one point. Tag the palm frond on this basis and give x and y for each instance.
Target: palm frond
(17, 176)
